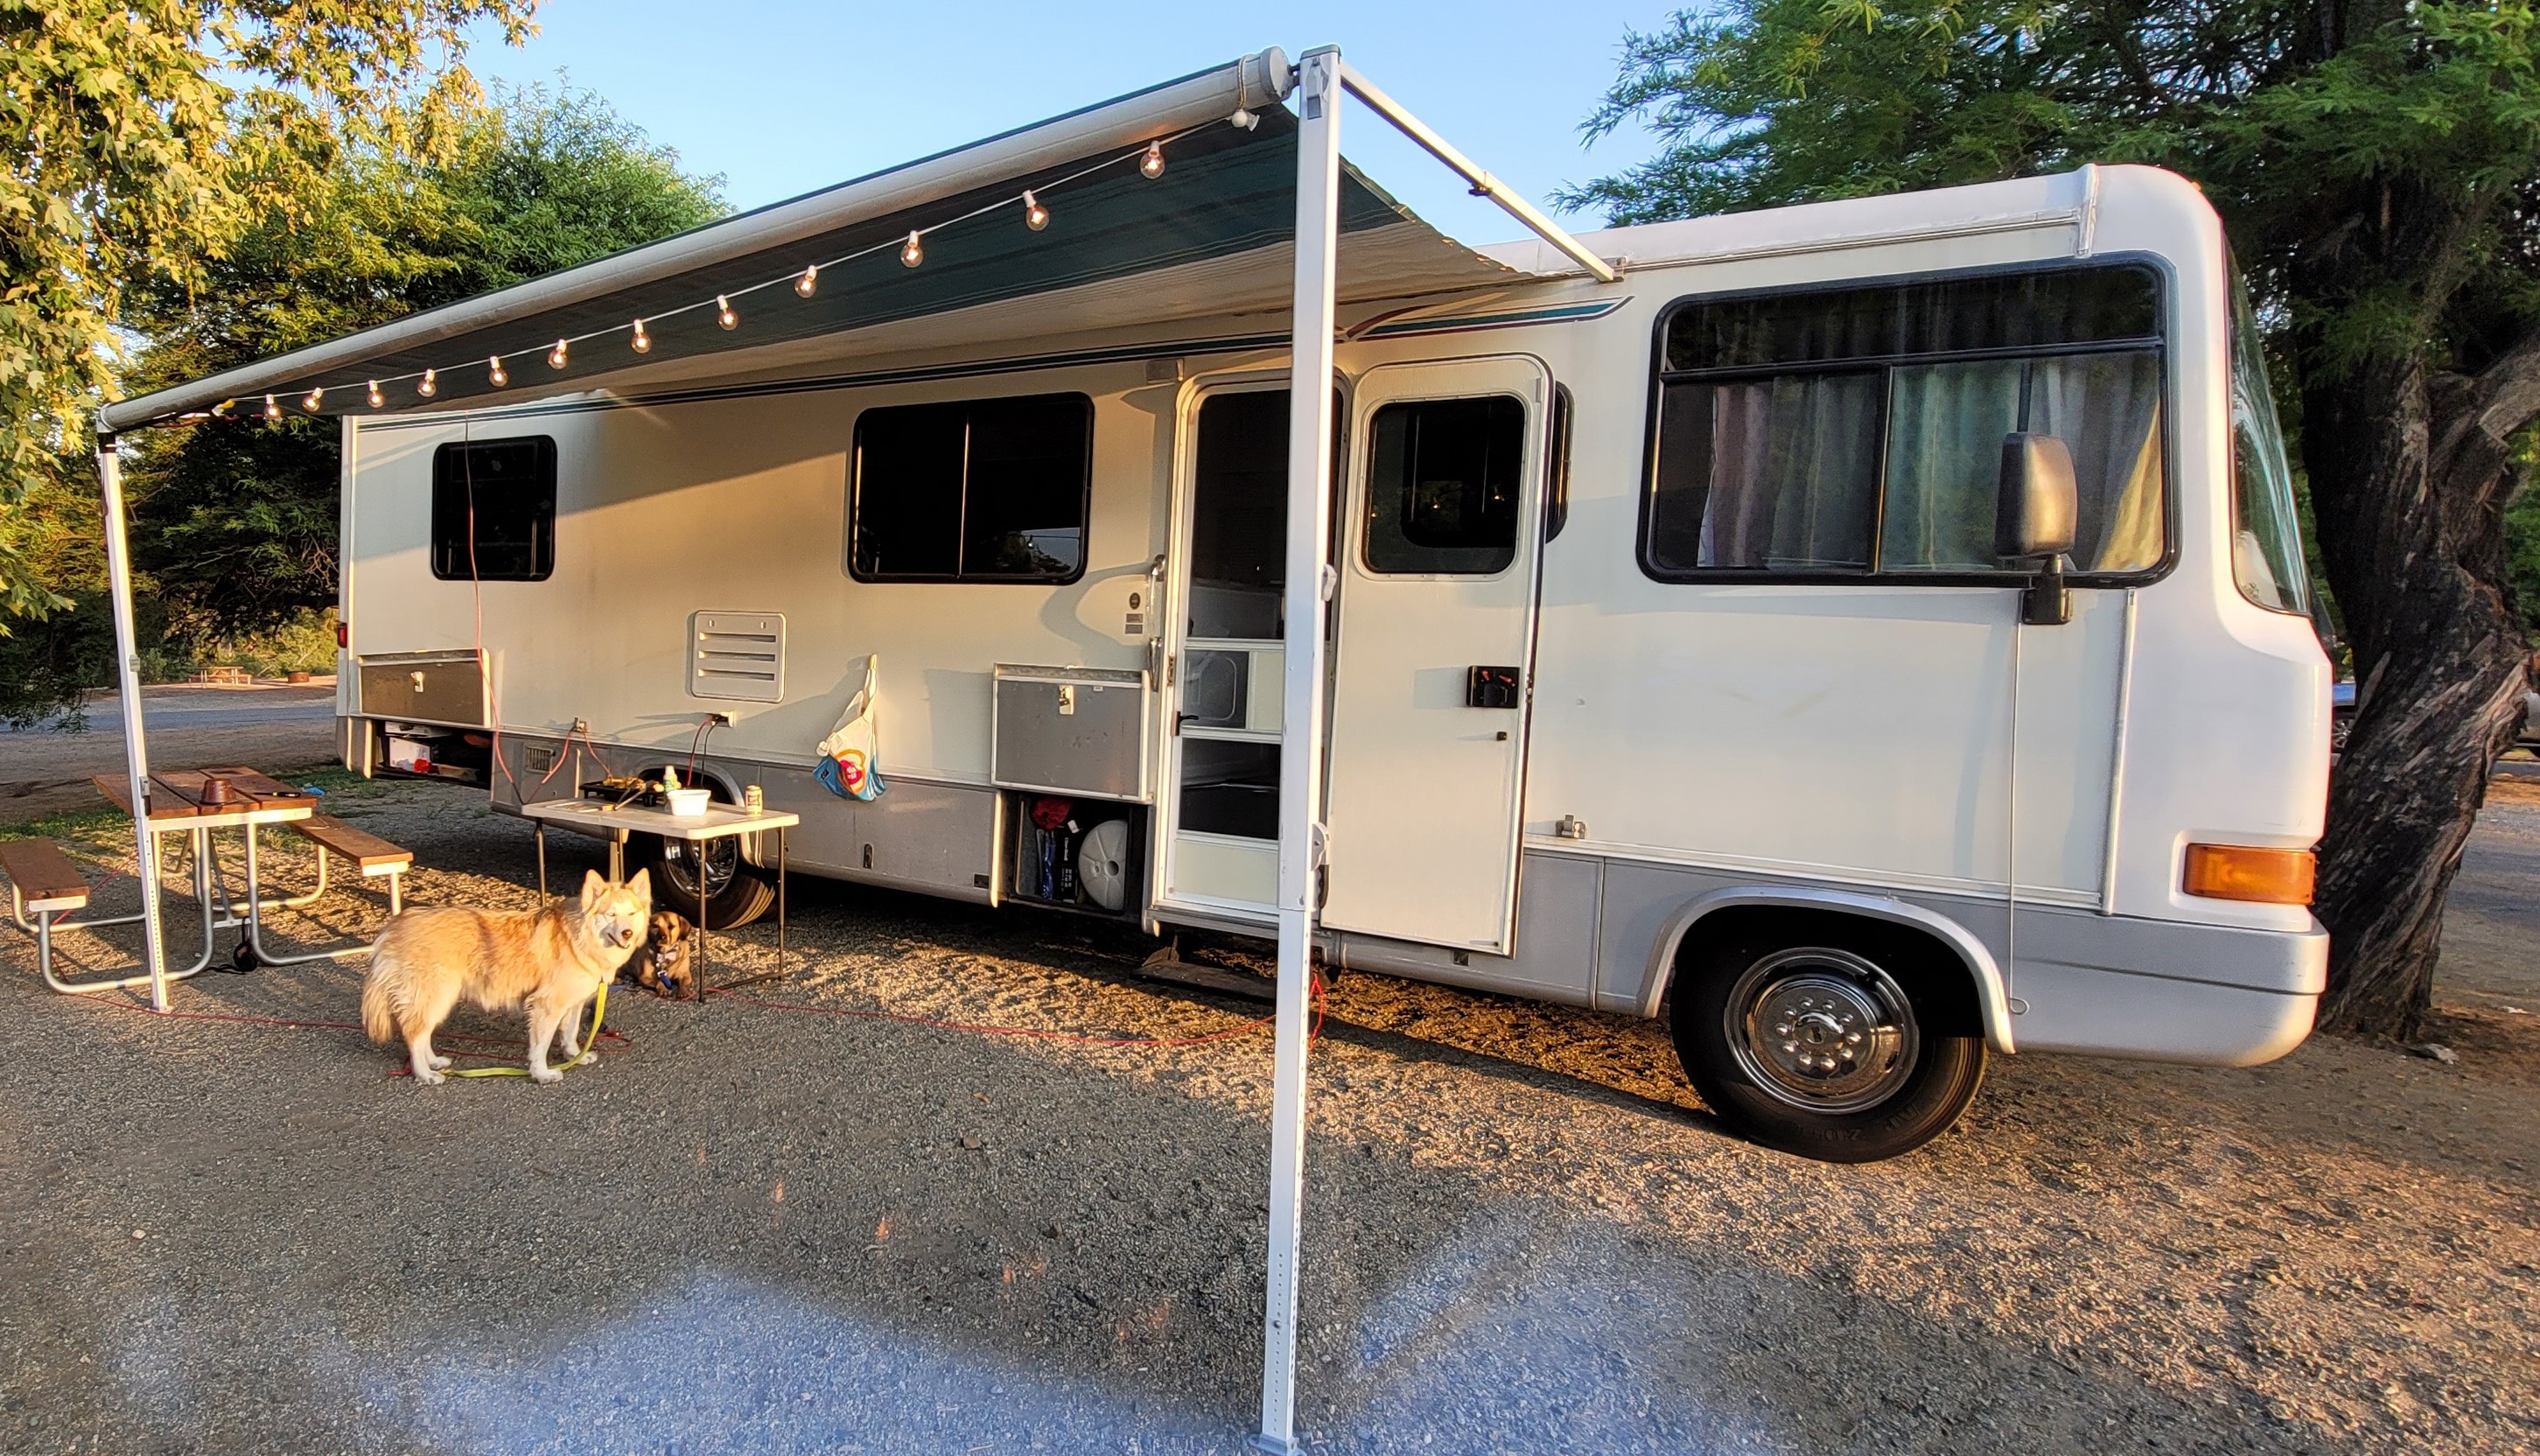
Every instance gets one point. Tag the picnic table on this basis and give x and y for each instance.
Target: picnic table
(196, 803)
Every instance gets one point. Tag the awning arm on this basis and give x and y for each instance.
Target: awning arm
(1483, 183)
(136, 744)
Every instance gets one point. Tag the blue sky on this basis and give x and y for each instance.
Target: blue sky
(783, 97)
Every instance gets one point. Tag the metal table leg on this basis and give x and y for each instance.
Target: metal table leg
(541, 825)
(254, 943)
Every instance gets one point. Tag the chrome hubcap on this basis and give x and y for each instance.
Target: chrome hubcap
(680, 865)
(1822, 1029)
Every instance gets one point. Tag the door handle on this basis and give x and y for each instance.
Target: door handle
(1491, 687)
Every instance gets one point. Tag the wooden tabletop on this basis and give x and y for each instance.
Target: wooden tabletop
(177, 795)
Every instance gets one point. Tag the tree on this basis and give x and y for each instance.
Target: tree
(142, 136)
(2377, 164)
(236, 520)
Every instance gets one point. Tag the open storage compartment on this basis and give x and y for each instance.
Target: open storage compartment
(1085, 854)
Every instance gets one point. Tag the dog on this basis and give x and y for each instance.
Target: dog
(551, 961)
(666, 963)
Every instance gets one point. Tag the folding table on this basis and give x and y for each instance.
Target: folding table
(614, 822)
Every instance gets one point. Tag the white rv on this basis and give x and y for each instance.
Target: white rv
(1722, 642)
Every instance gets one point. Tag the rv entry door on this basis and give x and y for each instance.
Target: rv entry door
(1432, 664)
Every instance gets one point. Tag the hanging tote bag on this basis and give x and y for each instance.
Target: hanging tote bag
(851, 751)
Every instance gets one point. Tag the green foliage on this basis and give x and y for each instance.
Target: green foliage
(2522, 542)
(143, 137)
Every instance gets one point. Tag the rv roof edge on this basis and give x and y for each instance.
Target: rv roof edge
(1252, 82)
(1483, 183)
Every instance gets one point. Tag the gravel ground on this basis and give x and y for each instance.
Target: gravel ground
(746, 1229)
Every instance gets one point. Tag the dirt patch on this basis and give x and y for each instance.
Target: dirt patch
(778, 1230)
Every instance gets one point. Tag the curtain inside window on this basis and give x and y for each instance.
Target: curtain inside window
(1790, 477)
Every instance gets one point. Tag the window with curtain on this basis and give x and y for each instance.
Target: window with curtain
(1858, 431)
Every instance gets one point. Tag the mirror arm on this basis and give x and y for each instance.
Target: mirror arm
(2046, 601)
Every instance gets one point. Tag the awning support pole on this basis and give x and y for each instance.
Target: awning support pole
(1482, 182)
(136, 752)
(1301, 740)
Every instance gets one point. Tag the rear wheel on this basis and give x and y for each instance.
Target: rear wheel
(1816, 1037)
(709, 883)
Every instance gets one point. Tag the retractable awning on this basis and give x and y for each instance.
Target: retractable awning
(1208, 236)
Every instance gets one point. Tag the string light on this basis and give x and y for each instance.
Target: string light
(912, 254)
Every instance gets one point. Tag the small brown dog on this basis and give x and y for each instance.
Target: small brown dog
(551, 961)
(667, 962)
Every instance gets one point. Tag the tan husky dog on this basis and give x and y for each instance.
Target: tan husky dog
(551, 961)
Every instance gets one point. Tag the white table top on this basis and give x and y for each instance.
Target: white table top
(591, 816)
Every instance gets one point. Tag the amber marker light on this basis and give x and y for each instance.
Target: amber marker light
(2237, 872)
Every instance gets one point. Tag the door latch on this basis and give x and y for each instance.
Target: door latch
(1491, 687)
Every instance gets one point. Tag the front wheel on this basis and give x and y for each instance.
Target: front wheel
(711, 877)
(1835, 1046)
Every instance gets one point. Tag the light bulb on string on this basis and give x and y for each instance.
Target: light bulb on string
(1035, 216)
(1153, 164)
(1245, 119)
(272, 411)
(494, 372)
(375, 399)
(428, 389)
(810, 280)
(642, 342)
(724, 314)
(555, 356)
(912, 252)
(315, 396)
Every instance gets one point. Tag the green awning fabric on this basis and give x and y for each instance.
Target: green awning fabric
(1225, 194)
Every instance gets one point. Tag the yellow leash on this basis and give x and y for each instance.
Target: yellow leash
(590, 1044)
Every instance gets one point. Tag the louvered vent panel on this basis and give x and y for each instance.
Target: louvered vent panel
(737, 654)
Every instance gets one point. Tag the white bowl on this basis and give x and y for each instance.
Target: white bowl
(689, 804)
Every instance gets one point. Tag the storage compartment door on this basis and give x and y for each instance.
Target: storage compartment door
(1433, 663)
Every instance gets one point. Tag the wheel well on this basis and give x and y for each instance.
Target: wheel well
(1939, 980)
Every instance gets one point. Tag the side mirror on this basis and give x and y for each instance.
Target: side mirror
(2033, 521)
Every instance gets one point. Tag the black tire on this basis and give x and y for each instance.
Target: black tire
(1891, 1053)
(739, 891)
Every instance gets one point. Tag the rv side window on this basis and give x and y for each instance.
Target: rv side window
(973, 490)
(494, 510)
(1442, 485)
(1858, 431)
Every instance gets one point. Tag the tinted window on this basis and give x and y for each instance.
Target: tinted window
(973, 490)
(1238, 533)
(2266, 530)
(493, 509)
(1442, 487)
(1833, 432)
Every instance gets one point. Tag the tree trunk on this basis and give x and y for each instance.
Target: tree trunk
(2410, 472)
